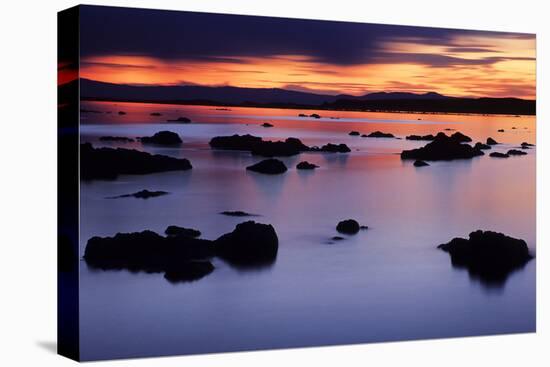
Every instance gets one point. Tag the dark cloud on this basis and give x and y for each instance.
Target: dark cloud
(172, 35)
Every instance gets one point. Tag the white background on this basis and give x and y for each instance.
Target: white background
(28, 183)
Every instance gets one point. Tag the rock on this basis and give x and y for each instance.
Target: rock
(348, 226)
(516, 152)
(155, 114)
(363, 228)
(267, 124)
(419, 163)
(121, 139)
(121, 113)
(183, 120)
(489, 256)
(525, 144)
(449, 129)
(306, 165)
(491, 141)
(302, 115)
(500, 130)
(332, 148)
(442, 147)
(257, 146)
(337, 238)
(498, 155)
(182, 231)
(481, 146)
(268, 166)
(315, 116)
(364, 136)
(354, 133)
(461, 138)
(238, 213)
(108, 163)
(379, 134)
(250, 244)
(189, 272)
(514, 128)
(162, 138)
(145, 251)
(429, 137)
(143, 194)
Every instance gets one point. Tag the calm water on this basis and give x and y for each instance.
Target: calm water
(387, 283)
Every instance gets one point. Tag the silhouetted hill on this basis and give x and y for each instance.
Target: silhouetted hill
(277, 97)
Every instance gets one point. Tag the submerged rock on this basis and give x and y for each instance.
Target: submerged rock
(354, 133)
(379, 134)
(489, 256)
(162, 138)
(108, 163)
(121, 139)
(482, 146)
(183, 120)
(189, 272)
(516, 152)
(491, 141)
(348, 226)
(268, 166)
(419, 163)
(429, 137)
(443, 147)
(267, 124)
(306, 165)
(250, 244)
(182, 231)
(143, 194)
(237, 213)
(498, 155)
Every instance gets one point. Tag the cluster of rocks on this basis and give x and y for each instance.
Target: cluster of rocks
(180, 255)
(444, 147)
(108, 163)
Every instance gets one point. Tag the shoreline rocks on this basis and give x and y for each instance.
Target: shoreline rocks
(108, 163)
(268, 166)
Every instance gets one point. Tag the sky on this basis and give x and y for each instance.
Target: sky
(153, 47)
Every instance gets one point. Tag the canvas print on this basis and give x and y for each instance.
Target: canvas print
(236, 183)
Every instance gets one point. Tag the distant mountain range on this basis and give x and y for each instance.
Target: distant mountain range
(277, 97)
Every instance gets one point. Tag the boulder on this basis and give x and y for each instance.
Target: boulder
(429, 137)
(491, 141)
(498, 155)
(482, 146)
(162, 138)
(268, 166)
(489, 256)
(121, 139)
(306, 165)
(354, 133)
(442, 147)
(249, 244)
(182, 231)
(516, 152)
(143, 194)
(379, 134)
(183, 120)
(108, 163)
(419, 163)
(348, 226)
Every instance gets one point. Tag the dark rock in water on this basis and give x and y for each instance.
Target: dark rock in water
(268, 166)
(121, 113)
(489, 256)
(162, 138)
(315, 116)
(257, 146)
(121, 139)
(332, 148)
(429, 137)
(482, 146)
(516, 152)
(302, 115)
(461, 138)
(379, 134)
(500, 130)
(525, 144)
(267, 124)
(348, 226)
(145, 251)
(143, 194)
(189, 271)
(238, 213)
(108, 163)
(498, 155)
(155, 114)
(183, 120)
(491, 141)
(182, 231)
(442, 147)
(363, 228)
(514, 128)
(364, 136)
(337, 238)
(250, 244)
(449, 129)
(235, 142)
(419, 163)
(306, 165)
(354, 133)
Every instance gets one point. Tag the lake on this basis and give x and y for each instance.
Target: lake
(387, 283)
